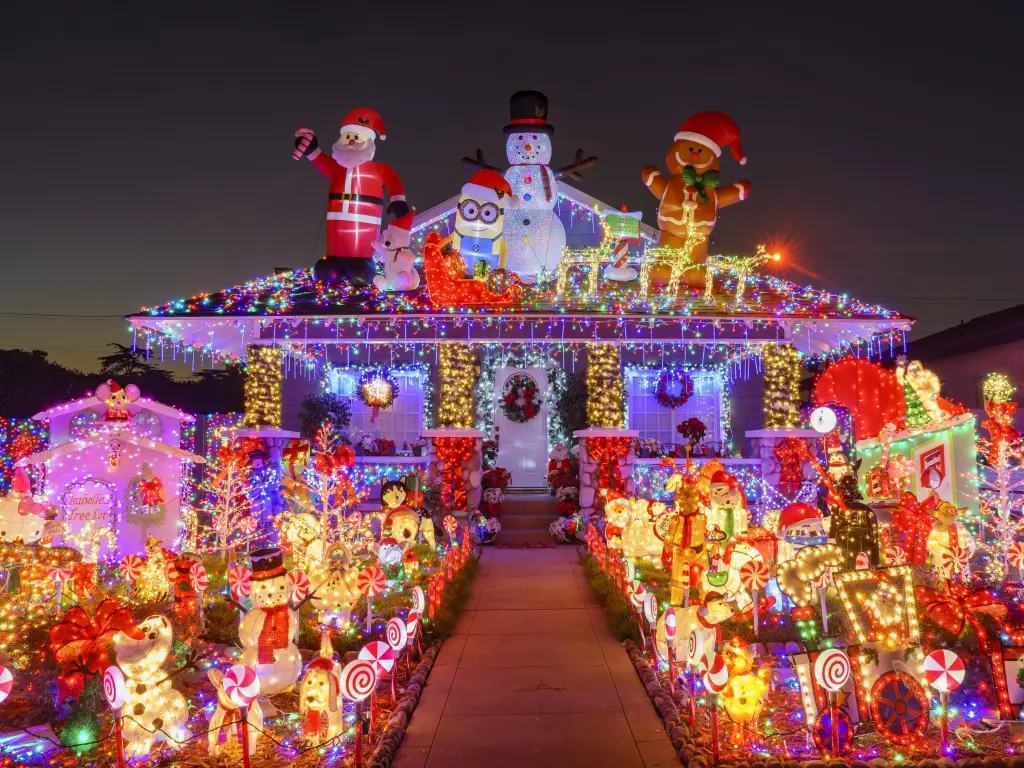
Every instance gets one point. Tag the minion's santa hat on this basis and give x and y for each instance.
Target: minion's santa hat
(364, 120)
(714, 130)
(490, 187)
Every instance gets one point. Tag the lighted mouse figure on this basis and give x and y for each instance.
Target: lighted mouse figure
(480, 220)
(393, 251)
(117, 400)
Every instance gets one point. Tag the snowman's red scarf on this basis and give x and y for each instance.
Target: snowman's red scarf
(545, 178)
(274, 633)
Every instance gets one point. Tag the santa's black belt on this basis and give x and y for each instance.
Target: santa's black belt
(353, 198)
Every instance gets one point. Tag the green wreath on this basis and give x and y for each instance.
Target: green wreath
(519, 403)
(685, 389)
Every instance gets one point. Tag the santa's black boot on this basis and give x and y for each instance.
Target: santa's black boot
(342, 269)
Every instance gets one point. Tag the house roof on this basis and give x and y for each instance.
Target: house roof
(134, 407)
(103, 440)
(991, 330)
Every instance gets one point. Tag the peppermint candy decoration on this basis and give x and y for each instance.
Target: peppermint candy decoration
(651, 608)
(371, 581)
(241, 685)
(895, 555)
(754, 574)
(130, 567)
(714, 673)
(419, 601)
(637, 593)
(412, 624)
(943, 670)
(381, 654)
(358, 679)
(248, 525)
(670, 625)
(694, 646)
(451, 525)
(954, 559)
(397, 634)
(60, 574)
(1015, 554)
(197, 577)
(115, 690)
(824, 580)
(832, 669)
(298, 586)
(630, 570)
(6, 683)
(239, 581)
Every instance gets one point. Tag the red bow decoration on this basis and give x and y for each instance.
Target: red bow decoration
(999, 426)
(606, 451)
(79, 643)
(453, 452)
(296, 453)
(959, 605)
(791, 453)
(227, 457)
(914, 520)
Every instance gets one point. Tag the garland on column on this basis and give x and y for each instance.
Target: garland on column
(606, 451)
(263, 379)
(453, 452)
(604, 387)
(781, 387)
(458, 374)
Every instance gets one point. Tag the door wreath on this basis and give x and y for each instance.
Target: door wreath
(519, 403)
(667, 400)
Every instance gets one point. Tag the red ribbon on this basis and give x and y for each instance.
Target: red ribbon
(914, 520)
(453, 452)
(273, 635)
(791, 452)
(950, 610)
(606, 451)
(999, 427)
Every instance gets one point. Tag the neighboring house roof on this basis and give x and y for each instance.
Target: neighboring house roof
(134, 407)
(991, 330)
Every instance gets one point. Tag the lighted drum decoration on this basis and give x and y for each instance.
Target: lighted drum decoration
(358, 679)
(397, 634)
(822, 731)
(899, 707)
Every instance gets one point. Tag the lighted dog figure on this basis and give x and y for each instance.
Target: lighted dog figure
(703, 619)
(392, 249)
(117, 400)
(320, 696)
(225, 723)
(153, 710)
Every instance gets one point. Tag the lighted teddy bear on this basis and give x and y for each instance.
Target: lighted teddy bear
(117, 400)
(392, 249)
(269, 632)
(153, 710)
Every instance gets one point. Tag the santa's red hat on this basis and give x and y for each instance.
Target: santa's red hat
(721, 476)
(795, 513)
(491, 187)
(364, 119)
(714, 130)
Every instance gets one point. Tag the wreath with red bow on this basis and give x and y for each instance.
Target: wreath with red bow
(520, 400)
(685, 389)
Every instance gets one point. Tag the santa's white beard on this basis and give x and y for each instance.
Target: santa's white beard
(348, 156)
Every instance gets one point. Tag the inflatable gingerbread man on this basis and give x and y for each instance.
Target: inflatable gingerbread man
(694, 180)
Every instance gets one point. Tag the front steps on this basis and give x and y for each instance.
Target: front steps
(526, 516)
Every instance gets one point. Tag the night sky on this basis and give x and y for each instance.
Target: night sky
(145, 154)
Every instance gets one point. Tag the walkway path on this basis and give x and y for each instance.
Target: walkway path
(533, 678)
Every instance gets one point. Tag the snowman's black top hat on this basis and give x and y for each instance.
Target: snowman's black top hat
(529, 112)
(267, 563)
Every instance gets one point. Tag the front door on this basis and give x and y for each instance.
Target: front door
(522, 445)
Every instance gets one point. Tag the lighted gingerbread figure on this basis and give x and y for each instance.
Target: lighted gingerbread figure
(117, 400)
(948, 532)
(694, 180)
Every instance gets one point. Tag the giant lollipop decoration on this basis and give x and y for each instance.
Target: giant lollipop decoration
(397, 634)
(944, 671)
(370, 582)
(832, 670)
(382, 657)
(1015, 555)
(358, 680)
(130, 569)
(715, 675)
(6, 683)
(240, 582)
(242, 687)
(754, 575)
(59, 575)
(298, 586)
(450, 525)
(115, 691)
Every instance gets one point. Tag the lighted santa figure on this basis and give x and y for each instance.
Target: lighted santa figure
(356, 198)
(559, 463)
(800, 525)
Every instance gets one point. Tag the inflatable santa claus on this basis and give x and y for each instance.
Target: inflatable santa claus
(356, 197)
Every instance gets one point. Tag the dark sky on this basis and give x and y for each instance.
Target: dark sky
(145, 152)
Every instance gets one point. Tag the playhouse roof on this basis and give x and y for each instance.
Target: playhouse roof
(103, 440)
(135, 406)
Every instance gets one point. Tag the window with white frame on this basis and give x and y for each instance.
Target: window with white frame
(653, 420)
(402, 422)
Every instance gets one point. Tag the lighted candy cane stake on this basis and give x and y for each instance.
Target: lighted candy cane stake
(59, 575)
(412, 625)
(651, 614)
(832, 670)
(242, 687)
(754, 576)
(715, 675)
(636, 593)
(694, 650)
(670, 643)
(358, 680)
(944, 671)
(370, 581)
(115, 691)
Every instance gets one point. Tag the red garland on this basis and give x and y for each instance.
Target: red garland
(606, 451)
(791, 453)
(673, 401)
(959, 605)
(453, 452)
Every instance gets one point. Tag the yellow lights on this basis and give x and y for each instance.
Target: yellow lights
(458, 376)
(781, 387)
(740, 266)
(997, 388)
(797, 577)
(604, 387)
(889, 606)
(263, 380)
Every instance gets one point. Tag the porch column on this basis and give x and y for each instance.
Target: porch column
(606, 447)
(455, 435)
(781, 387)
(604, 387)
(459, 372)
(264, 378)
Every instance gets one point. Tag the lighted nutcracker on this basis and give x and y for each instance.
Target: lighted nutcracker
(686, 532)
(356, 198)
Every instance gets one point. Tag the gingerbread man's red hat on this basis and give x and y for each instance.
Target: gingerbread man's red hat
(714, 130)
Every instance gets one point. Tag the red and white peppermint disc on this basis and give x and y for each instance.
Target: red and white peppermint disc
(895, 555)
(397, 634)
(451, 525)
(298, 586)
(862, 561)
(1015, 554)
(754, 574)
(412, 624)
(60, 574)
(824, 580)
(670, 625)
(130, 567)
(419, 601)
(832, 669)
(239, 581)
(6, 683)
(694, 646)
(241, 685)
(247, 525)
(651, 608)
(714, 673)
(115, 690)
(358, 679)
(637, 594)
(954, 559)
(371, 581)
(381, 654)
(943, 670)
(197, 577)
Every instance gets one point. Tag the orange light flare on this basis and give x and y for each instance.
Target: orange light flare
(786, 250)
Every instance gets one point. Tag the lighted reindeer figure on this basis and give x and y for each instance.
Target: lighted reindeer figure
(678, 260)
(741, 266)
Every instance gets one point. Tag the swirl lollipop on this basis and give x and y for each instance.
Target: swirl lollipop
(637, 593)
(298, 586)
(239, 581)
(1015, 555)
(754, 575)
(419, 601)
(248, 525)
(832, 669)
(115, 690)
(358, 679)
(241, 685)
(6, 683)
(197, 577)
(412, 624)
(370, 581)
(451, 525)
(382, 656)
(953, 560)
(651, 608)
(397, 634)
(895, 555)
(130, 567)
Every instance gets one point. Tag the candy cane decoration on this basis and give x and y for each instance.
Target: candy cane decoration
(305, 136)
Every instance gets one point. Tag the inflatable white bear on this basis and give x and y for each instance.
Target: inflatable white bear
(392, 248)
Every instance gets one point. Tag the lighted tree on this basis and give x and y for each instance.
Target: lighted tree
(1000, 490)
(227, 493)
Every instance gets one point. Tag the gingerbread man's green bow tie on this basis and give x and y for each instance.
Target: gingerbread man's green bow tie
(700, 181)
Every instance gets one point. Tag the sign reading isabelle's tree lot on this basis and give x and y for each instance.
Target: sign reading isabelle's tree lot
(87, 506)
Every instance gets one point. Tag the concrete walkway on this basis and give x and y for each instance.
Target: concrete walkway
(533, 678)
